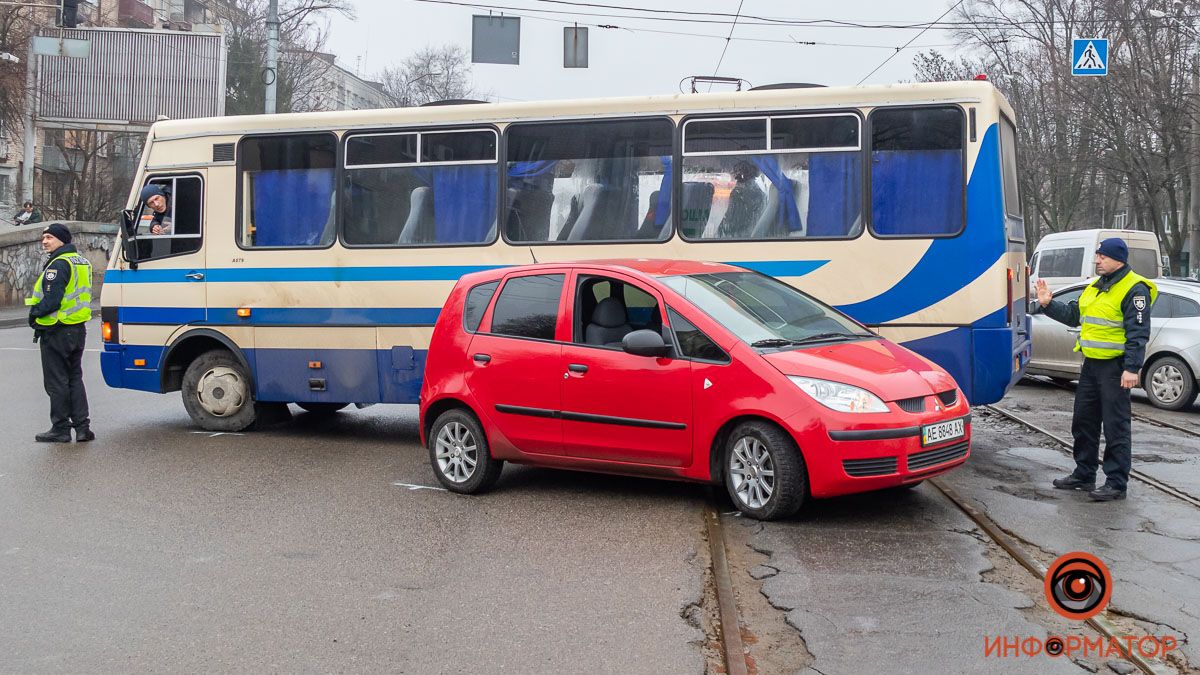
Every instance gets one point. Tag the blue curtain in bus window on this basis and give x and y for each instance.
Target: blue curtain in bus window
(520, 173)
(662, 210)
(788, 212)
(917, 192)
(834, 193)
(291, 207)
(464, 202)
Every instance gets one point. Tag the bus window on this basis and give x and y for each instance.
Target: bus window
(917, 171)
(287, 191)
(1008, 161)
(794, 176)
(589, 181)
(181, 224)
(420, 188)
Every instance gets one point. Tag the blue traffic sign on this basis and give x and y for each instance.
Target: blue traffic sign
(1089, 56)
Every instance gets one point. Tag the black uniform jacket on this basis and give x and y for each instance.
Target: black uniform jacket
(55, 277)
(1135, 307)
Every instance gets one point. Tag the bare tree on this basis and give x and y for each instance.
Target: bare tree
(430, 74)
(85, 174)
(303, 66)
(16, 25)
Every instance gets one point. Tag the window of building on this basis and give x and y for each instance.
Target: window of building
(179, 227)
(421, 188)
(287, 191)
(5, 189)
(793, 176)
(528, 307)
(604, 180)
(917, 184)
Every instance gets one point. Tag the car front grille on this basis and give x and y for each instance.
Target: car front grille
(928, 458)
(949, 397)
(876, 466)
(912, 405)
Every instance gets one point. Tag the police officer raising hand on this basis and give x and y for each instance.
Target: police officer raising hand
(1113, 314)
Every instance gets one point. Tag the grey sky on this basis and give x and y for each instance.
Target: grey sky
(632, 60)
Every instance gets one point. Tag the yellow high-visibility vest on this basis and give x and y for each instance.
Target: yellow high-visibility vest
(76, 304)
(1102, 323)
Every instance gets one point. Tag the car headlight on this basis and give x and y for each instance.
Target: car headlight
(840, 397)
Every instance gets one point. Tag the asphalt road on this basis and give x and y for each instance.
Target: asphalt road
(157, 548)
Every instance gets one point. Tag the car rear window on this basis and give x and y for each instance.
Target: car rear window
(476, 304)
(528, 307)
(1061, 262)
(1144, 261)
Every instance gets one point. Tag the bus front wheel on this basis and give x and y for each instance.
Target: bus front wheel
(217, 392)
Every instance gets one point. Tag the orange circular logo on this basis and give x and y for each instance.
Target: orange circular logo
(1078, 586)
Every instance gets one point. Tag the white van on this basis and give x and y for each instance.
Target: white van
(1064, 258)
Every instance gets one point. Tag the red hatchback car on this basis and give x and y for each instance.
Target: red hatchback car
(683, 370)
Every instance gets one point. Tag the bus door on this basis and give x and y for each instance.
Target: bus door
(164, 266)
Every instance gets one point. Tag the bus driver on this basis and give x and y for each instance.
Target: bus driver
(157, 200)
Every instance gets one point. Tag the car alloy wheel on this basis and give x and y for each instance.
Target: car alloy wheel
(752, 471)
(457, 452)
(1166, 383)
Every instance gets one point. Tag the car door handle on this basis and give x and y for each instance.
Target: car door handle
(482, 358)
(577, 368)
(1074, 330)
(197, 276)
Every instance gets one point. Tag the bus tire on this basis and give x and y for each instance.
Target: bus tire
(321, 409)
(218, 392)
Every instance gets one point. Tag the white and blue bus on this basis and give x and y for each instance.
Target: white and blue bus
(306, 256)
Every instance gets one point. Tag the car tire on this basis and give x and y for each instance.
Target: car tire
(321, 409)
(765, 473)
(455, 440)
(218, 393)
(1169, 383)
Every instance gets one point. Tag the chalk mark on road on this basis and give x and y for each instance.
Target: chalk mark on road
(412, 486)
(219, 433)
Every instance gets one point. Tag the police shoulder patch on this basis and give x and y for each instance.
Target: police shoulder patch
(1139, 302)
(51, 274)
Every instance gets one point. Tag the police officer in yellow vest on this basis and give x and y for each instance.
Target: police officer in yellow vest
(58, 311)
(1113, 314)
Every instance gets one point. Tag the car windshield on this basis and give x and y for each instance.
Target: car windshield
(764, 312)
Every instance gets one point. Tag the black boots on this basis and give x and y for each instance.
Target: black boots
(54, 436)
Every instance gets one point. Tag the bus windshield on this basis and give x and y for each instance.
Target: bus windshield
(764, 312)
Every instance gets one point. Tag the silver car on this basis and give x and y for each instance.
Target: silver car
(1172, 357)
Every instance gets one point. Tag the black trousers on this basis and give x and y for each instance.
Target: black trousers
(1100, 399)
(62, 373)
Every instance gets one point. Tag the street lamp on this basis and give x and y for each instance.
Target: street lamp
(409, 83)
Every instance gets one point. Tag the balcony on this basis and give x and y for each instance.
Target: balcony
(135, 14)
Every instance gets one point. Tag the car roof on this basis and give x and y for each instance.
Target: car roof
(1162, 283)
(654, 267)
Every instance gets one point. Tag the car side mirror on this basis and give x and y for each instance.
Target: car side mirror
(644, 343)
(1035, 307)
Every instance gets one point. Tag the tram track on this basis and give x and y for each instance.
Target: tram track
(1067, 445)
(1191, 430)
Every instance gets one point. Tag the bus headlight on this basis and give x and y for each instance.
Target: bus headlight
(839, 396)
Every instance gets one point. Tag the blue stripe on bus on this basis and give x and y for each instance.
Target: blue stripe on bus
(281, 316)
(266, 274)
(953, 263)
(777, 268)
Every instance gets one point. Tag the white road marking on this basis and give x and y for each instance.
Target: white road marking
(218, 433)
(411, 486)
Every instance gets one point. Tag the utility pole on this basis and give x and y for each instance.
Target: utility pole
(271, 73)
(30, 135)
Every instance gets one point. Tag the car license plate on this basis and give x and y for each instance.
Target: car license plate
(942, 431)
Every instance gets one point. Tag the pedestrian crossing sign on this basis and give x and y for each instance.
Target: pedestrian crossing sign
(1089, 56)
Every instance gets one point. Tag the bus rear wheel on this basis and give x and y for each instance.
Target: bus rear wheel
(217, 392)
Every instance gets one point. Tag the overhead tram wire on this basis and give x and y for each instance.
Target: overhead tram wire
(726, 47)
(906, 44)
(656, 31)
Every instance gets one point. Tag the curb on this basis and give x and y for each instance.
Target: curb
(13, 323)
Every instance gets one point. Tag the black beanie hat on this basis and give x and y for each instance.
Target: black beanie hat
(151, 190)
(59, 231)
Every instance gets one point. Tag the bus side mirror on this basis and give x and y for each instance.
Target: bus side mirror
(129, 238)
